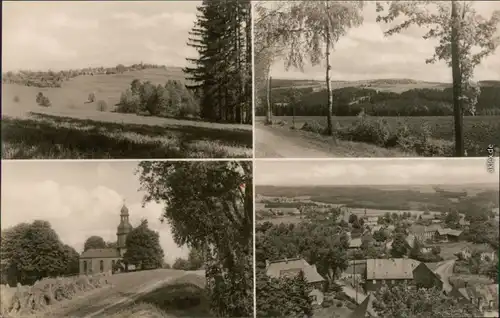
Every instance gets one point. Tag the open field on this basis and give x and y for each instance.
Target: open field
(73, 129)
(73, 94)
(479, 131)
(155, 293)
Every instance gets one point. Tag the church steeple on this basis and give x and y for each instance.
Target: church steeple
(124, 227)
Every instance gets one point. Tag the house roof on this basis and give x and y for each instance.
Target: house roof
(394, 268)
(448, 231)
(427, 216)
(101, 253)
(275, 269)
(486, 292)
(421, 229)
(365, 309)
(355, 243)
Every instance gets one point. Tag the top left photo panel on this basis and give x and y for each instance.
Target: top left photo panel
(126, 80)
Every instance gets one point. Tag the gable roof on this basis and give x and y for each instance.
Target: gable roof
(486, 292)
(365, 309)
(355, 243)
(421, 229)
(448, 231)
(394, 268)
(311, 274)
(101, 253)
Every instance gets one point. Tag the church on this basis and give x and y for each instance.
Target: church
(102, 260)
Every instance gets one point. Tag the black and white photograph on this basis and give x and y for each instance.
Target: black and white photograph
(376, 78)
(126, 239)
(126, 79)
(353, 238)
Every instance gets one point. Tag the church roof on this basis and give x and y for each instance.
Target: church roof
(101, 253)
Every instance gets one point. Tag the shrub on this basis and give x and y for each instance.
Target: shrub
(314, 126)
(102, 106)
(16, 99)
(91, 98)
(42, 100)
(374, 131)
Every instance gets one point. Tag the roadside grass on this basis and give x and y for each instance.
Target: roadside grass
(479, 132)
(42, 136)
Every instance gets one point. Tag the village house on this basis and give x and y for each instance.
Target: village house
(292, 267)
(355, 270)
(365, 309)
(485, 251)
(423, 232)
(484, 297)
(104, 259)
(447, 235)
(370, 221)
(355, 243)
(381, 272)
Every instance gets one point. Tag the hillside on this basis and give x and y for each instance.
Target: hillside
(73, 94)
(389, 85)
(174, 293)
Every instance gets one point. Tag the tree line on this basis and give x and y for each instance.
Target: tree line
(222, 73)
(351, 101)
(170, 100)
(56, 78)
(32, 251)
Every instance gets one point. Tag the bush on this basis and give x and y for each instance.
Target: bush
(42, 100)
(16, 99)
(314, 127)
(102, 106)
(374, 131)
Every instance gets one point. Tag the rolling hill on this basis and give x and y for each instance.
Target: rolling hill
(74, 93)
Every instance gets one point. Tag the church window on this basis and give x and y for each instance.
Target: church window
(101, 265)
(85, 267)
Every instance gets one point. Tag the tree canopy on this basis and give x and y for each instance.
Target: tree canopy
(209, 206)
(143, 247)
(94, 242)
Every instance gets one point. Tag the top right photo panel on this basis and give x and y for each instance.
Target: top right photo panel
(376, 79)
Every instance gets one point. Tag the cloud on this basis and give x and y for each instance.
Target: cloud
(365, 53)
(77, 213)
(63, 35)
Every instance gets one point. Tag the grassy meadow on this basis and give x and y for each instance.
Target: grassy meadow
(479, 131)
(73, 128)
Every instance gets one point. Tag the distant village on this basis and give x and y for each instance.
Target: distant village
(433, 253)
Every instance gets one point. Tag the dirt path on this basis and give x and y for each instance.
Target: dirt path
(278, 143)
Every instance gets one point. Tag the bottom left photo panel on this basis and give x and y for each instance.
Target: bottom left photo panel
(127, 239)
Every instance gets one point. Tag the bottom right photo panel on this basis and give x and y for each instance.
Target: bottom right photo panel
(377, 237)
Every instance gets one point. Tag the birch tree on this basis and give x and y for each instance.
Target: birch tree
(464, 39)
(309, 31)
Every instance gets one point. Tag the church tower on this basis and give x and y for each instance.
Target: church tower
(123, 230)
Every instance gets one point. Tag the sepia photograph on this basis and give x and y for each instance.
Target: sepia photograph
(126, 80)
(415, 237)
(126, 239)
(376, 78)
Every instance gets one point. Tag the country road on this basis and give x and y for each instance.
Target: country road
(279, 143)
(445, 270)
(124, 290)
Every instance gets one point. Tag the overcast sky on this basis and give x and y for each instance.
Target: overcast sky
(79, 199)
(55, 35)
(364, 53)
(375, 172)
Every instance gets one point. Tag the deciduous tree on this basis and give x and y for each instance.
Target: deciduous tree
(143, 247)
(94, 242)
(465, 38)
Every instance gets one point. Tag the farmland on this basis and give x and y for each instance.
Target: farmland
(73, 128)
(159, 293)
(479, 131)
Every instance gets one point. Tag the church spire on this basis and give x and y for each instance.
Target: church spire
(124, 227)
